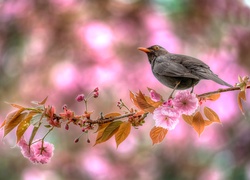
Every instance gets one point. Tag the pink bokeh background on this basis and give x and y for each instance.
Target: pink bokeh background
(62, 48)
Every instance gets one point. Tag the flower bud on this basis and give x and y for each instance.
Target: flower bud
(155, 96)
(96, 94)
(96, 89)
(77, 140)
(80, 97)
(67, 126)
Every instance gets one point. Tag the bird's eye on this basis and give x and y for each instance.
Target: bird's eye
(156, 48)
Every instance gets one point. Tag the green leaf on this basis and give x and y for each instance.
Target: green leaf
(33, 134)
(36, 120)
(157, 134)
(108, 132)
(122, 133)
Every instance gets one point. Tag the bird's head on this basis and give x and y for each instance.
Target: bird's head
(153, 51)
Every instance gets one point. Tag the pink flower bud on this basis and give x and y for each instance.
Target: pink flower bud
(65, 107)
(155, 96)
(80, 97)
(88, 141)
(96, 94)
(77, 140)
(96, 89)
(67, 126)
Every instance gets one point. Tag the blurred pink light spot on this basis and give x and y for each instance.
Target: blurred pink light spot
(105, 75)
(211, 174)
(37, 174)
(64, 75)
(97, 35)
(97, 166)
(14, 8)
(63, 3)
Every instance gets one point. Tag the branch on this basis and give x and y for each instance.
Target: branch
(102, 121)
(220, 91)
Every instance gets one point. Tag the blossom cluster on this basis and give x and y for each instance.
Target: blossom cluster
(39, 152)
(168, 114)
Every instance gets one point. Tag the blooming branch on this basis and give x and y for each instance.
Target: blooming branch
(166, 115)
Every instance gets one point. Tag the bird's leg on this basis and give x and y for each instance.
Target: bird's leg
(192, 89)
(177, 84)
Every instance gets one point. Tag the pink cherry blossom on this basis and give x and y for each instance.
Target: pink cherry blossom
(155, 96)
(166, 117)
(43, 151)
(26, 151)
(185, 102)
(39, 152)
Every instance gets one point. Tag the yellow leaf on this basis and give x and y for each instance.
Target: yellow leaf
(23, 126)
(198, 123)
(157, 134)
(187, 118)
(12, 120)
(241, 96)
(213, 97)
(111, 115)
(108, 132)
(122, 132)
(211, 115)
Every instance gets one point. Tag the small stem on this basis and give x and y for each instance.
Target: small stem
(47, 133)
(86, 105)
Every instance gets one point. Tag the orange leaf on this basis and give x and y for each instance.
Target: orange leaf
(133, 99)
(12, 120)
(153, 103)
(23, 126)
(107, 132)
(43, 101)
(208, 122)
(111, 115)
(211, 115)
(122, 133)
(198, 123)
(213, 97)
(140, 102)
(143, 104)
(241, 96)
(188, 119)
(16, 106)
(3, 124)
(157, 134)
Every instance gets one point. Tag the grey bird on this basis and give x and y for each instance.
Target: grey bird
(178, 71)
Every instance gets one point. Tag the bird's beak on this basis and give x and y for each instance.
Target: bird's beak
(146, 50)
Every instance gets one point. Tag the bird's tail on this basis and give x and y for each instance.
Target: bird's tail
(215, 78)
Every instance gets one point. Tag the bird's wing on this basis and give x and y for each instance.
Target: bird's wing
(194, 66)
(197, 68)
(171, 68)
